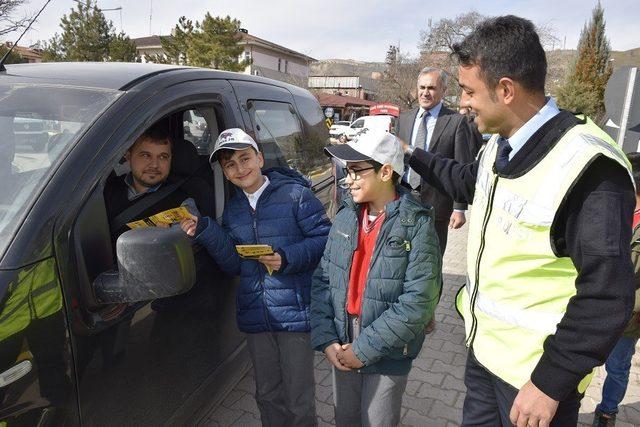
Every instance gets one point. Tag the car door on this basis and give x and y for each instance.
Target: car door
(135, 363)
(287, 131)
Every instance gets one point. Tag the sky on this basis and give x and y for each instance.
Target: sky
(358, 29)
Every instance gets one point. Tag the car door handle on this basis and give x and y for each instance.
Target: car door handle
(15, 372)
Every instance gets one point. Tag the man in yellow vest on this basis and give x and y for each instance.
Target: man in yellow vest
(550, 284)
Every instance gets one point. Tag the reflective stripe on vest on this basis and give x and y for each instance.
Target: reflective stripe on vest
(534, 321)
(518, 289)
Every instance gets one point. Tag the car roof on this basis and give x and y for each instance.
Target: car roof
(107, 75)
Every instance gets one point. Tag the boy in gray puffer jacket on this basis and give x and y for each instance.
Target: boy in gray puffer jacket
(377, 285)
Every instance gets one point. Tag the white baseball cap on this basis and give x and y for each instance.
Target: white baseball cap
(378, 145)
(232, 139)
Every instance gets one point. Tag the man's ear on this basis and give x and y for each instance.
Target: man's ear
(506, 90)
(260, 160)
(127, 155)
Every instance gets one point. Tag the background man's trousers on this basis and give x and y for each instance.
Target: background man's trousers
(489, 399)
(442, 230)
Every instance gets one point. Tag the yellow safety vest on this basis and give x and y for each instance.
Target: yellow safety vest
(518, 289)
(35, 294)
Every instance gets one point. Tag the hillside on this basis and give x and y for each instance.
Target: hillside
(345, 67)
(559, 61)
(628, 57)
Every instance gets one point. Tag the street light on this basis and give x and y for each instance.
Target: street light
(115, 8)
(103, 10)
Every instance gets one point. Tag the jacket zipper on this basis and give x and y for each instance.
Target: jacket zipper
(260, 268)
(474, 295)
(376, 252)
(353, 251)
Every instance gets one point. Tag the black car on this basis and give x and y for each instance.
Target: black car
(87, 333)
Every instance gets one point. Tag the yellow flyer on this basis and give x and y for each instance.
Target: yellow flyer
(164, 218)
(254, 252)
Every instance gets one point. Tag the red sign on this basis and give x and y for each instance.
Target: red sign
(390, 109)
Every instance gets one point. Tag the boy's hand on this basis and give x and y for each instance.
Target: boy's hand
(189, 225)
(273, 261)
(348, 358)
(332, 352)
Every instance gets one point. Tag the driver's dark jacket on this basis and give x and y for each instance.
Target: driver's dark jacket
(116, 201)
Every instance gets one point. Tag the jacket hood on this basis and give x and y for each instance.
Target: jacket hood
(285, 175)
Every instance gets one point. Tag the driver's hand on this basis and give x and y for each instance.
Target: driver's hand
(189, 225)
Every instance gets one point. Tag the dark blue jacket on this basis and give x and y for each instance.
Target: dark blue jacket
(290, 219)
(402, 290)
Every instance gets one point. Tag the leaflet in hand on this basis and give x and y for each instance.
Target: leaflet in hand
(162, 219)
(253, 251)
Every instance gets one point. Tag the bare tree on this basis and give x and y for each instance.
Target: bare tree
(436, 45)
(8, 20)
(398, 84)
(441, 36)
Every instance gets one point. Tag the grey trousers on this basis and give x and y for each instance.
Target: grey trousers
(285, 386)
(367, 399)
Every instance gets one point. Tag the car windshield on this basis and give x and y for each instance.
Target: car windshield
(37, 124)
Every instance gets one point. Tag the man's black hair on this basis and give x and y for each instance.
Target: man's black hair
(506, 46)
(156, 134)
(634, 159)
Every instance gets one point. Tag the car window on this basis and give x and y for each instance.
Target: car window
(279, 134)
(37, 124)
(196, 130)
(358, 124)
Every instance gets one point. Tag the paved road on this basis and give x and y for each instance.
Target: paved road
(435, 391)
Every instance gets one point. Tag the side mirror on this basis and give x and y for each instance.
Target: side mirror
(152, 263)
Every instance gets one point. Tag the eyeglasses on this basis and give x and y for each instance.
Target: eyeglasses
(356, 174)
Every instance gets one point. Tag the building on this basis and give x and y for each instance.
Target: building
(30, 55)
(274, 61)
(353, 86)
(147, 47)
(345, 107)
(268, 59)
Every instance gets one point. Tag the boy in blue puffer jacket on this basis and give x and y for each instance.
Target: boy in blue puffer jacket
(377, 285)
(276, 208)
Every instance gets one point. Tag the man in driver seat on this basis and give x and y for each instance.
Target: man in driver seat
(126, 199)
(150, 160)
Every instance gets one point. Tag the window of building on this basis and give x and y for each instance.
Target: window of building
(286, 67)
(279, 64)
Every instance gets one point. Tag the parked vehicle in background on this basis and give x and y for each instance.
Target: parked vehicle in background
(33, 132)
(382, 122)
(338, 128)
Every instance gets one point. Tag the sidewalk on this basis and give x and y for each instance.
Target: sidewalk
(435, 391)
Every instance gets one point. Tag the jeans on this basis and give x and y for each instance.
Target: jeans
(617, 365)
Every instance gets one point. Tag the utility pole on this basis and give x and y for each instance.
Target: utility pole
(150, 15)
